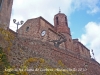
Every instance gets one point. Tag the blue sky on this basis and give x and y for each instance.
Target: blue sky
(83, 17)
(79, 19)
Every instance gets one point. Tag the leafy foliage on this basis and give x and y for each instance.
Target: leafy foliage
(4, 64)
(7, 38)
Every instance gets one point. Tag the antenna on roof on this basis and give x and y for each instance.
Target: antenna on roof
(59, 10)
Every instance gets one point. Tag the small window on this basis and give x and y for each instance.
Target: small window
(27, 28)
(57, 20)
(1, 3)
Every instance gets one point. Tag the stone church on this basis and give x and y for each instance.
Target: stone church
(41, 29)
(38, 37)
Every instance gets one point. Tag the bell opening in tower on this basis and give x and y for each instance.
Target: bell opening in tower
(57, 21)
(66, 20)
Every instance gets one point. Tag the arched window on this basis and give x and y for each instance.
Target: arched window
(0, 3)
(57, 20)
(65, 19)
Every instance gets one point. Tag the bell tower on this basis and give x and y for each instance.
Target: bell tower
(5, 13)
(61, 26)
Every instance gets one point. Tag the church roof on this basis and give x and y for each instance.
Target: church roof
(46, 21)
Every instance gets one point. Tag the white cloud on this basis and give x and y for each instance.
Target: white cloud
(91, 5)
(26, 9)
(93, 10)
(91, 38)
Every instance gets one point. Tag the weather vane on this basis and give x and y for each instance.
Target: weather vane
(59, 10)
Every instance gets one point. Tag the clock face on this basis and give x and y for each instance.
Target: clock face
(43, 33)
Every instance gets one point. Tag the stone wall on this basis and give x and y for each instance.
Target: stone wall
(24, 48)
(81, 49)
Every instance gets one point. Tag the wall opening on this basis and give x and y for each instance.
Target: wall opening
(27, 28)
(57, 21)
